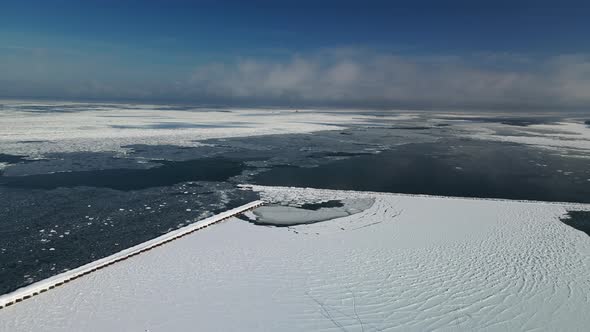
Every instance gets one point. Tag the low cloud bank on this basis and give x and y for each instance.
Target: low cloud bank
(341, 78)
(484, 81)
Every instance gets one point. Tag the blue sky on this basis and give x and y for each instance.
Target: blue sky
(420, 54)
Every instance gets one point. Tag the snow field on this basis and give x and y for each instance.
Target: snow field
(110, 129)
(407, 263)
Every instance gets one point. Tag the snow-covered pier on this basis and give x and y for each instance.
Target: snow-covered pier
(60, 279)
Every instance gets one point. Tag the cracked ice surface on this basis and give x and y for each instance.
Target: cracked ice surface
(408, 263)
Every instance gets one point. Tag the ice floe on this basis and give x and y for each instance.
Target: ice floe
(98, 127)
(572, 138)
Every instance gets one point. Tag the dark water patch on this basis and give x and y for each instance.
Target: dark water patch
(461, 168)
(11, 159)
(47, 109)
(76, 162)
(180, 125)
(34, 141)
(146, 116)
(338, 154)
(519, 122)
(411, 128)
(170, 173)
(442, 124)
(182, 193)
(317, 206)
(266, 113)
(174, 152)
(192, 108)
(275, 150)
(511, 121)
(242, 217)
(399, 127)
(511, 132)
(65, 108)
(351, 124)
(579, 220)
(284, 166)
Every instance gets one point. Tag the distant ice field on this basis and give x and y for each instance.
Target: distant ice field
(79, 181)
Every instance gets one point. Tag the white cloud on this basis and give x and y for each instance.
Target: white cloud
(484, 81)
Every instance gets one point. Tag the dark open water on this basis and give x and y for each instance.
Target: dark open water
(451, 168)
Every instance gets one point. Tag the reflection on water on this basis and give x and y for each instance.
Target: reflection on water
(170, 173)
(452, 168)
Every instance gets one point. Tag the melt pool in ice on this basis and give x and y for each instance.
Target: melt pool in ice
(308, 213)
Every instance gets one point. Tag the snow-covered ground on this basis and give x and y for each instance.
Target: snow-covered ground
(408, 263)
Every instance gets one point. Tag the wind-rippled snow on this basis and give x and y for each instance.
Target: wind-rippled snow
(408, 263)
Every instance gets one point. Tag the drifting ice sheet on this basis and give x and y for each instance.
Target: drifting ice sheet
(407, 263)
(115, 126)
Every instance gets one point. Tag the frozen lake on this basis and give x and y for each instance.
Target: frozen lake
(82, 181)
